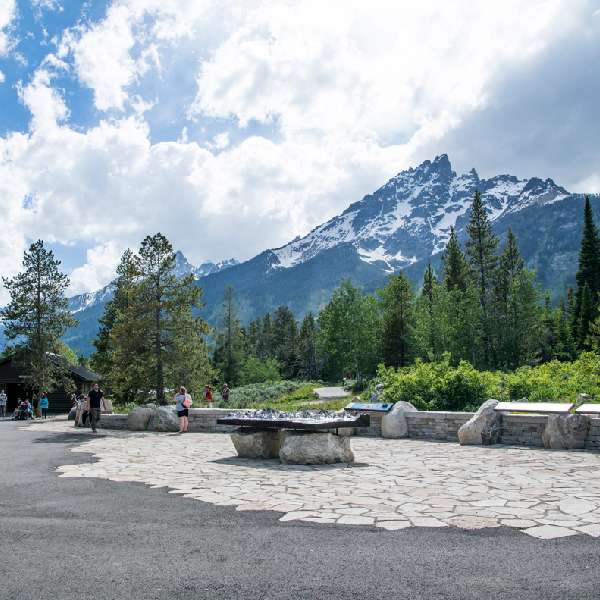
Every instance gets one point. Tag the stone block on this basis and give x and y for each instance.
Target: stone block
(163, 418)
(138, 418)
(565, 432)
(393, 423)
(307, 448)
(254, 443)
(483, 427)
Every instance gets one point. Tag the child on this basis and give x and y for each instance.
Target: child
(208, 397)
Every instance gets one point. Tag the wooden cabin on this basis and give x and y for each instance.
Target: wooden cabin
(12, 382)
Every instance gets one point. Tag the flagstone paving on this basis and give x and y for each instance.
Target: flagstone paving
(393, 484)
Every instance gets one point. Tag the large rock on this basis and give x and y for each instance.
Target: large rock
(565, 432)
(138, 418)
(393, 424)
(307, 448)
(256, 443)
(164, 418)
(483, 427)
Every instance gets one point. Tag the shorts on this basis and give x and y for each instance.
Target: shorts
(182, 413)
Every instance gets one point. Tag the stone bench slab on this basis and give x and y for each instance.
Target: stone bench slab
(535, 407)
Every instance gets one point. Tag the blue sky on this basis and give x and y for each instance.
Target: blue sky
(233, 126)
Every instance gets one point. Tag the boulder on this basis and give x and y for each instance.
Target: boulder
(393, 423)
(565, 432)
(164, 418)
(483, 427)
(251, 443)
(138, 418)
(308, 448)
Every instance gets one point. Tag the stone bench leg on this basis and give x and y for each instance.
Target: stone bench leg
(255, 443)
(308, 448)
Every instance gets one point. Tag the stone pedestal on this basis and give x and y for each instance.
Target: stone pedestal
(253, 443)
(308, 448)
(565, 432)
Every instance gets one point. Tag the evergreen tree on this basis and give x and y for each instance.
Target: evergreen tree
(456, 269)
(37, 316)
(587, 312)
(253, 332)
(548, 335)
(347, 337)
(588, 274)
(565, 348)
(481, 253)
(228, 356)
(430, 318)
(285, 338)
(398, 321)
(308, 361)
(459, 317)
(515, 309)
(265, 342)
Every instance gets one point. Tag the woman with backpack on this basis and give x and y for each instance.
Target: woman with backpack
(183, 401)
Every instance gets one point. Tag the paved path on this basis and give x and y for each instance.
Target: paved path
(331, 393)
(86, 537)
(395, 483)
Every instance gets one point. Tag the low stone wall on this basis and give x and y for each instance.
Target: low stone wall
(592, 441)
(436, 425)
(517, 430)
(523, 430)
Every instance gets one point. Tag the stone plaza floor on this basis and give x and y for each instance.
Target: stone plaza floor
(393, 484)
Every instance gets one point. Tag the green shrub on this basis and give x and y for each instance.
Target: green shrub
(255, 370)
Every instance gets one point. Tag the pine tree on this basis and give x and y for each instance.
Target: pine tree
(481, 252)
(430, 317)
(285, 334)
(228, 355)
(565, 348)
(347, 338)
(515, 309)
(37, 316)
(588, 274)
(456, 269)
(265, 342)
(308, 361)
(398, 321)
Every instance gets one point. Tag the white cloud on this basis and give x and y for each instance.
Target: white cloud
(102, 260)
(7, 14)
(2, 77)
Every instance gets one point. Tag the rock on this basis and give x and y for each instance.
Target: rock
(138, 418)
(307, 448)
(164, 418)
(393, 424)
(483, 427)
(582, 399)
(565, 432)
(251, 443)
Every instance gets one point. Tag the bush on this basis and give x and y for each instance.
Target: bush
(439, 385)
(255, 394)
(255, 370)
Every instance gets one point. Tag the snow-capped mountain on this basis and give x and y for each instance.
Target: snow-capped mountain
(402, 226)
(409, 218)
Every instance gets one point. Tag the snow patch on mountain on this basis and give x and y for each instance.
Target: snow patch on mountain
(409, 218)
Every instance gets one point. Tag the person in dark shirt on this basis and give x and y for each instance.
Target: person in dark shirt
(95, 405)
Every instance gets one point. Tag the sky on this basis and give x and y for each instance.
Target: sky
(233, 126)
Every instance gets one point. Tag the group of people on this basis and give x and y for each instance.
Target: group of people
(183, 402)
(89, 408)
(26, 409)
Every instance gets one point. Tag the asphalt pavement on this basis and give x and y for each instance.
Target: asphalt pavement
(95, 539)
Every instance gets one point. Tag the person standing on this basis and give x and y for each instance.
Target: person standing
(43, 404)
(95, 405)
(208, 397)
(3, 401)
(183, 401)
(225, 393)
